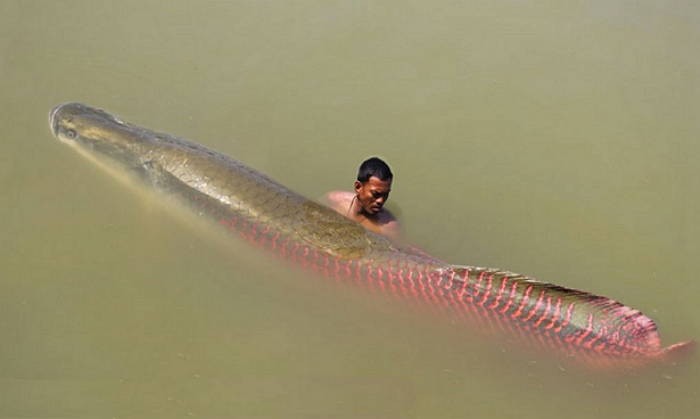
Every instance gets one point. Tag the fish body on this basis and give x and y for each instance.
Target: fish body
(583, 327)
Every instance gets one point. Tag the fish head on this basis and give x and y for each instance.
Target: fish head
(95, 133)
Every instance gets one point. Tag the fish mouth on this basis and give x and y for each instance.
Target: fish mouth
(53, 124)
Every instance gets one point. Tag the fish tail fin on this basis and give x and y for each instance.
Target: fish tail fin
(677, 351)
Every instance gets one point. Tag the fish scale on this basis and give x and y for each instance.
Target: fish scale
(591, 329)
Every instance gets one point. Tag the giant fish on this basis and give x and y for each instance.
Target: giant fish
(580, 326)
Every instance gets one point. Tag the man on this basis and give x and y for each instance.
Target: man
(366, 204)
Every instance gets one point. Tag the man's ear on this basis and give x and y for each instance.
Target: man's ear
(357, 185)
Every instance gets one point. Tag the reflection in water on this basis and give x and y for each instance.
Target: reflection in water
(555, 141)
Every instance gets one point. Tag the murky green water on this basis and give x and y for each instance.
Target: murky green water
(555, 140)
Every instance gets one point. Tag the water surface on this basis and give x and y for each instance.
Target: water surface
(554, 140)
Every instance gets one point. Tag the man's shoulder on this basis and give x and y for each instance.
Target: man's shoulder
(388, 225)
(338, 199)
(339, 195)
(385, 217)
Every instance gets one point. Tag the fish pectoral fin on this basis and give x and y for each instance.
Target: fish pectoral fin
(153, 173)
(149, 165)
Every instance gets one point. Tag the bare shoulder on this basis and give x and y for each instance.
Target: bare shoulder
(338, 200)
(391, 229)
(334, 196)
(385, 217)
(388, 225)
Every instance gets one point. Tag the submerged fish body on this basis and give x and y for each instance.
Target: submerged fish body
(583, 327)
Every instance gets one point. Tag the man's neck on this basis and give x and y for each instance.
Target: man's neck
(357, 211)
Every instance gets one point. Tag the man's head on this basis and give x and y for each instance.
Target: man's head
(373, 185)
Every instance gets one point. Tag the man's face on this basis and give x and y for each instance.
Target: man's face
(372, 195)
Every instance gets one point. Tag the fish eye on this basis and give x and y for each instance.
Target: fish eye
(71, 134)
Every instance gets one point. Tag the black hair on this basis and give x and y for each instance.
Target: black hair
(374, 166)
